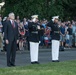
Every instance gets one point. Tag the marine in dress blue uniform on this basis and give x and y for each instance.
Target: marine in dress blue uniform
(34, 39)
(55, 38)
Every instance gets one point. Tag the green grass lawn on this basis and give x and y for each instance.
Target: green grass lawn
(59, 68)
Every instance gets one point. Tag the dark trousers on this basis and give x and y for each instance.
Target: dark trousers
(11, 52)
(28, 43)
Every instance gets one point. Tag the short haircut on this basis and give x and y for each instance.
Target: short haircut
(10, 14)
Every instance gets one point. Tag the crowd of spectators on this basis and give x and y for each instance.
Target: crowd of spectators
(67, 33)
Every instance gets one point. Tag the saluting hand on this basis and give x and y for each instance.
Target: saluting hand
(7, 42)
(17, 41)
(38, 27)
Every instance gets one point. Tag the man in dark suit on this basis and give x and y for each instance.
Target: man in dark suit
(11, 39)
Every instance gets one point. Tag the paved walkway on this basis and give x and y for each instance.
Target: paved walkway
(23, 57)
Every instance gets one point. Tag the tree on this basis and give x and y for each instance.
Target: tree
(44, 8)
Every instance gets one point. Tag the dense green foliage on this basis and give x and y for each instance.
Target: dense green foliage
(44, 8)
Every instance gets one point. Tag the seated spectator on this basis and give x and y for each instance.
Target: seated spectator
(21, 35)
(47, 36)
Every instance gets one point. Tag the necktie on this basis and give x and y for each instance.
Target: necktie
(13, 24)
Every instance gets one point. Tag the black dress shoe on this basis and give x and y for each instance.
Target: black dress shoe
(37, 62)
(9, 65)
(55, 60)
(32, 62)
(13, 65)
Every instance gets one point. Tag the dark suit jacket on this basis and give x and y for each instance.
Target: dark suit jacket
(10, 33)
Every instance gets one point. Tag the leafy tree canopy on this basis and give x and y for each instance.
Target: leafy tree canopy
(44, 8)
